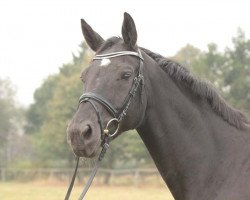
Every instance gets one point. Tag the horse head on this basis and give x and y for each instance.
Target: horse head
(113, 100)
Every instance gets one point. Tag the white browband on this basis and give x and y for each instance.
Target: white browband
(117, 54)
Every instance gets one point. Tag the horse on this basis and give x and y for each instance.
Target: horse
(199, 143)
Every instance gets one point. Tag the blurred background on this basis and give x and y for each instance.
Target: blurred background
(42, 54)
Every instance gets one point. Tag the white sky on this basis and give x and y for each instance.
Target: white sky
(38, 36)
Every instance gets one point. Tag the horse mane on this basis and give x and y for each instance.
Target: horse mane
(200, 88)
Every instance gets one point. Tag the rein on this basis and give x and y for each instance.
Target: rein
(117, 114)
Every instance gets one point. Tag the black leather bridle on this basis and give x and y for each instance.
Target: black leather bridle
(117, 114)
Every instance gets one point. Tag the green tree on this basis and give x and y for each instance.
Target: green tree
(187, 55)
(55, 103)
(204, 64)
(229, 71)
(236, 72)
(7, 109)
(37, 111)
(10, 120)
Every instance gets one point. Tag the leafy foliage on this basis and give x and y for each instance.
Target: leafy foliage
(55, 103)
(237, 72)
(10, 121)
(229, 71)
(7, 109)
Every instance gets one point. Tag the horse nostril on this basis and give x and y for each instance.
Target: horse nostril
(87, 132)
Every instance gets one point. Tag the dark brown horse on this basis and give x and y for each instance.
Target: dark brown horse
(200, 145)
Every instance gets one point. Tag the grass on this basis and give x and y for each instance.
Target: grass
(56, 191)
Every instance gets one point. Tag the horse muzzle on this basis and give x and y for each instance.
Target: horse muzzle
(84, 139)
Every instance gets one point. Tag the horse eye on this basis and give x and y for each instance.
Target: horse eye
(126, 75)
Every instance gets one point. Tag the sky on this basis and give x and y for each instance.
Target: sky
(39, 36)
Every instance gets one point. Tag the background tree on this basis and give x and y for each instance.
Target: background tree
(54, 105)
(10, 122)
(229, 71)
(7, 110)
(236, 72)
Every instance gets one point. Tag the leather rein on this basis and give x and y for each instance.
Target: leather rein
(117, 114)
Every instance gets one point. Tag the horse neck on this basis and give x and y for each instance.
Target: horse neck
(184, 136)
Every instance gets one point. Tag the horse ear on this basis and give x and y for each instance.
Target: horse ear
(129, 32)
(93, 39)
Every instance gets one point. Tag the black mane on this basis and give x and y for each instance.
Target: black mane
(201, 88)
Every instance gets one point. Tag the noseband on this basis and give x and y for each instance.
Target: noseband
(117, 114)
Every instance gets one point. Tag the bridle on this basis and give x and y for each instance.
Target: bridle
(117, 114)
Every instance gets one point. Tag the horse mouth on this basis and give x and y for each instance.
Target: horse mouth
(86, 151)
(80, 153)
(83, 153)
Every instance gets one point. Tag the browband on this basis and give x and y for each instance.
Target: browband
(117, 54)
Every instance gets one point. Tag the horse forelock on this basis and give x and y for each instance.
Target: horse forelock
(109, 43)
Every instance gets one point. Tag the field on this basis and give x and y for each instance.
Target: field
(56, 191)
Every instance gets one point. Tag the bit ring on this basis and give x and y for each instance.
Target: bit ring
(106, 130)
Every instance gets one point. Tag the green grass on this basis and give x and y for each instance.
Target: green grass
(56, 191)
